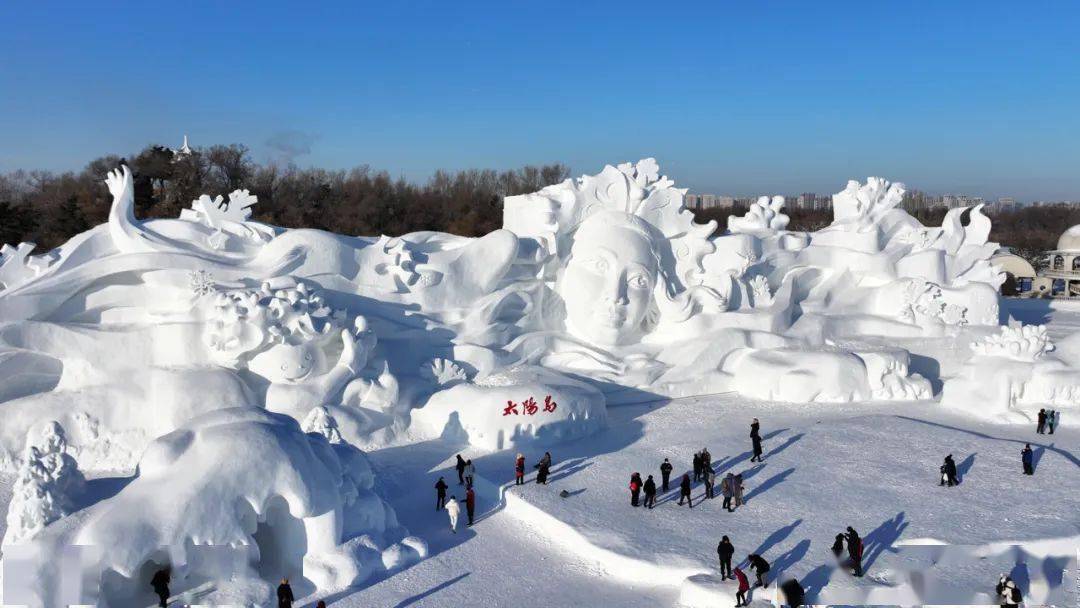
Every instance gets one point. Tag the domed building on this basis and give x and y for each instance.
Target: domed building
(1060, 279)
(1064, 268)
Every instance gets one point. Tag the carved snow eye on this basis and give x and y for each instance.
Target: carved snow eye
(284, 367)
(307, 357)
(639, 281)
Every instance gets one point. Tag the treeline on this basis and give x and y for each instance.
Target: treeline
(49, 208)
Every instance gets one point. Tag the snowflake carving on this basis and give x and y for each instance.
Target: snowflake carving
(201, 282)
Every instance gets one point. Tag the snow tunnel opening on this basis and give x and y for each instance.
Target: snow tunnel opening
(282, 543)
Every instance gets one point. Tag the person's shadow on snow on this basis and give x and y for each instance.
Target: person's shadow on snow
(769, 483)
(883, 538)
(963, 468)
(1036, 456)
(774, 539)
(568, 468)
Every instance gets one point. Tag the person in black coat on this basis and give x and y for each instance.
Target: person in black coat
(635, 489)
(755, 439)
(761, 567)
(794, 594)
(440, 494)
(665, 473)
(284, 594)
(543, 468)
(650, 492)
(697, 466)
(948, 472)
(684, 491)
(160, 584)
(725, 550)
(1041, 427)
(1028, 458)
(460, 466)
(855, 550)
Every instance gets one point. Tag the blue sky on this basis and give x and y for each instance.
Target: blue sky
(730, 97)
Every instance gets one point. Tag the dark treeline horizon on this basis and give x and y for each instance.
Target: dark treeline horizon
(48, 208)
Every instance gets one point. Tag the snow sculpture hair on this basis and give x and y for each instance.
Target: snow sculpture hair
(763, 217)
(1024, 343)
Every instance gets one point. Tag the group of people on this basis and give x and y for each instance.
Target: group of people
(725, 550)
(1047, 420)
(1007, 591)
(854, 549)
(466, 471)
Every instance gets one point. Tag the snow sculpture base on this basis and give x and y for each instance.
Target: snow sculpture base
(519, 406)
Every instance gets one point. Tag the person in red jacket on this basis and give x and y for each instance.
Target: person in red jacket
(519, 470)
(744, 587)
(470, 503)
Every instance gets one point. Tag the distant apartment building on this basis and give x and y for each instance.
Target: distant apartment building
(692, 201)
(806, 201)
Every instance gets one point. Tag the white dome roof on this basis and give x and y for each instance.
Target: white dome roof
(1070, 239)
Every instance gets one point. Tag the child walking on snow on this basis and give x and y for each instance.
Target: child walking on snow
(453, 509)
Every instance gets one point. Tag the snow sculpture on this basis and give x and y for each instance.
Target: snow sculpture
(240, 478)
(231, 216)
(321, 422)
(1022, 343)
(443, 372)
(763, 217)
(863, 207)
(1012, 374)
(17, 266)
(46, 488)
(514, 407)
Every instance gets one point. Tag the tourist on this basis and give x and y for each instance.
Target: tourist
(794, 594)
(543, 468)
(755, 428)
(453, 509)
(684, 491)
(697, 466)
(519, 469)
(635, 489)
(440, 494)
(665, 473)
(706, 460)
(1027, 457)
(460, 470)
(321, 604)
(737, 489)
(725, 550)
(727, 488)
(948, 472)
(855, 550)
(710, 482)
(160, 584)
(470, 504)
(744, 587)
(284, 594)
(470, 473)
(838, 546)
(1008, 593)
(761, 567)
(650, 492)
(1052, 420)
(1041, 427)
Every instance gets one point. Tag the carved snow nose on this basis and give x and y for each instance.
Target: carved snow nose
(615, 291)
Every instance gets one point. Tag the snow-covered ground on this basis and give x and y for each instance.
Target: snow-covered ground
(871, 466)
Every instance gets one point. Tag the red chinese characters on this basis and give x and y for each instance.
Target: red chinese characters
(529, 407)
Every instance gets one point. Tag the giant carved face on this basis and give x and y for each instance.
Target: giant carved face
(608, 282)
